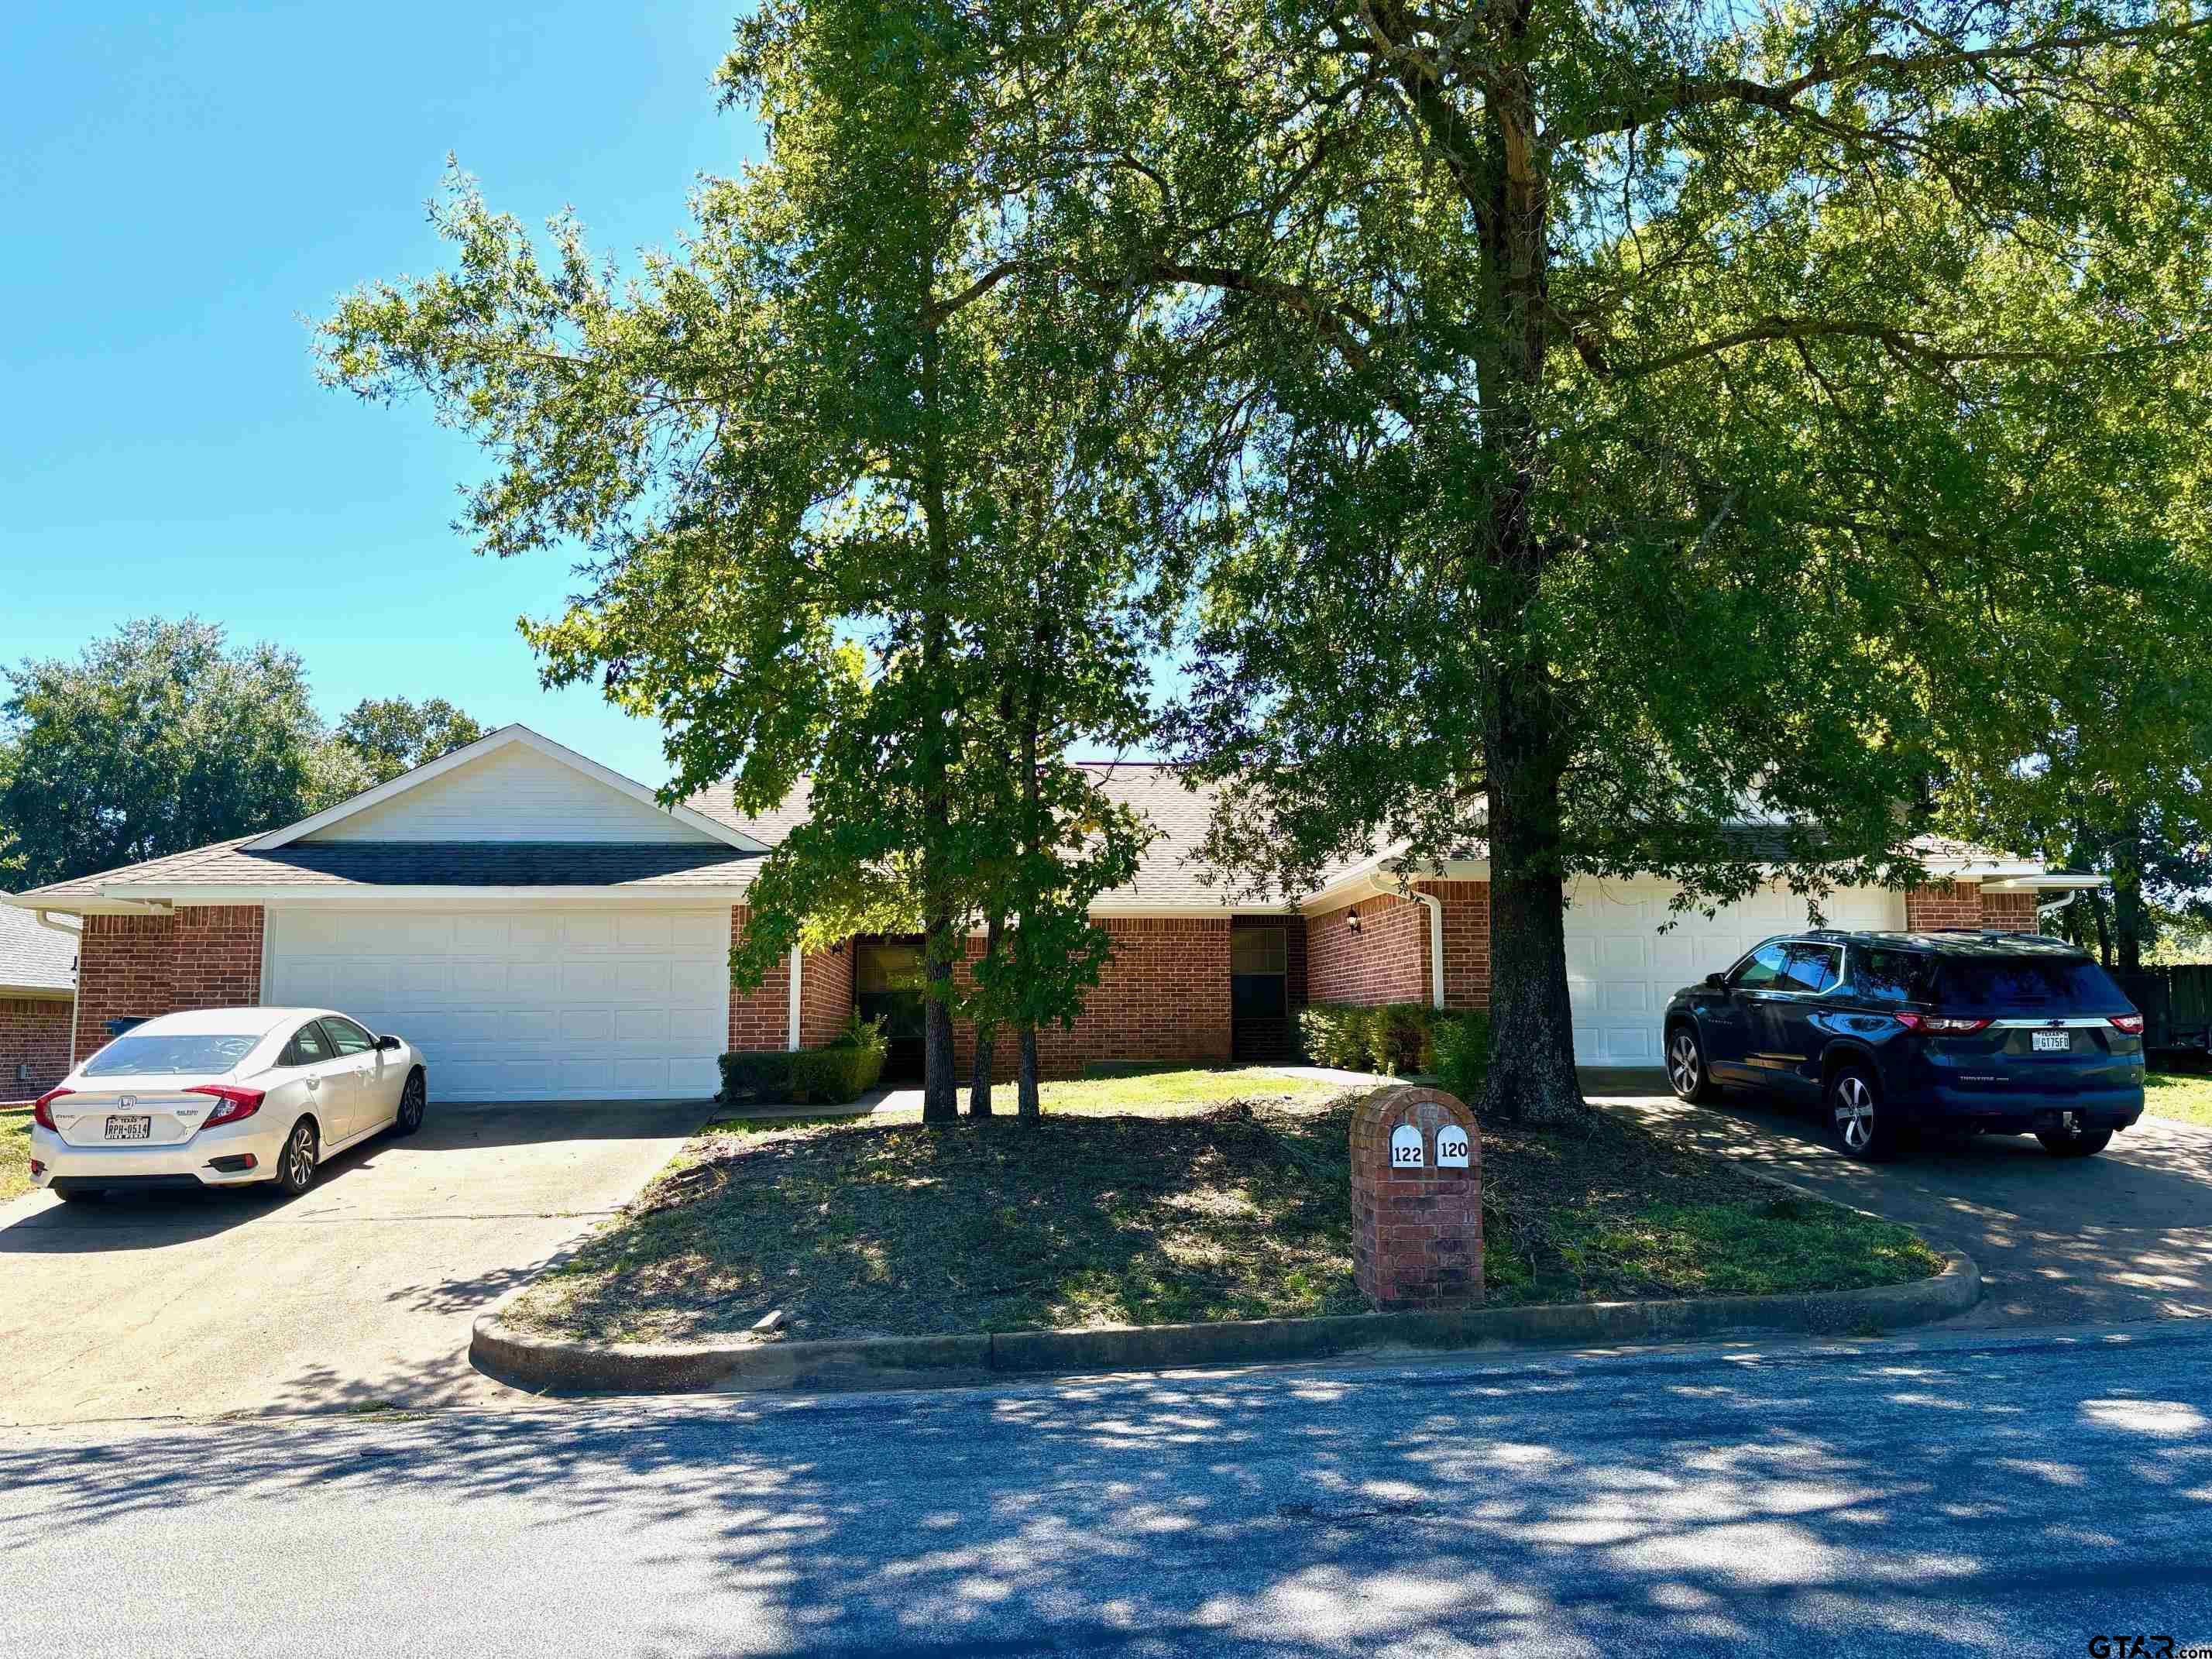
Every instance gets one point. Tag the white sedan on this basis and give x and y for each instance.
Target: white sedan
(223, 1098)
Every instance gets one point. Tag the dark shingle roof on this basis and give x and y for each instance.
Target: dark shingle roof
(33, 958)
(657, 866)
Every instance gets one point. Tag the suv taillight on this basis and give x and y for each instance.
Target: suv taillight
(1940, 1025)
(41, 1113)
(235, 1102)
(2131, 1023)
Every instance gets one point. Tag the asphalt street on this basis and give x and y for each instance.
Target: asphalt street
(1997, 1493)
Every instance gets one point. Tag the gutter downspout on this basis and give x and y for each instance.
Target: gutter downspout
(1435, 907)
(794, 1044)
(44, 919)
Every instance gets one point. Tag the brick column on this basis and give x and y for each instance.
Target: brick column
(1416, 1212)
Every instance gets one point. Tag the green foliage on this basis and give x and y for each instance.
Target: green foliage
(866, 1035)
(392, 735)
(835, 1076)
(1459, 1043)
(1394, 1038)
(156, 739)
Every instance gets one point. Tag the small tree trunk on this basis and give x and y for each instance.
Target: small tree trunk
(2099, 909)
(1026, 1104)
(2131, 918)
(940, 1087)
(979, 1076)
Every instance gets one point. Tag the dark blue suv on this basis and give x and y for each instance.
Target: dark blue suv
(1969, 1032)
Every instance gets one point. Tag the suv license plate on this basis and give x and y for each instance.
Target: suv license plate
(130, 1128)
(2052, 1042)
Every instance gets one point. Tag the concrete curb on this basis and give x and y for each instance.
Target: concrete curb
(549, 1363)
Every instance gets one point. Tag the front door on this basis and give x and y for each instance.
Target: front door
(887, 985)
(371, 1086)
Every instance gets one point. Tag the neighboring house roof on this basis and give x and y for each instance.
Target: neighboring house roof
(34, 960)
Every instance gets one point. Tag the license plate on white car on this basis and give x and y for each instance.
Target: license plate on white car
(2051, 1042)
(140, 1127)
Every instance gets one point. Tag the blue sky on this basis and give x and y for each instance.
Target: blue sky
(183, 187)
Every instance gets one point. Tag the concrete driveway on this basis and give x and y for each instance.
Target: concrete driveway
(359, 1294)
(2124, 1235)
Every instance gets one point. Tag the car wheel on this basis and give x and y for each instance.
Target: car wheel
(1685, 1065)
(413, 1099)
(296, 1164)
(2075, 1143)
(81, 1194)
(1862, 1125)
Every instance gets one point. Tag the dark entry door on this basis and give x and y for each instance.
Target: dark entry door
(887, 985)
(1259, 992)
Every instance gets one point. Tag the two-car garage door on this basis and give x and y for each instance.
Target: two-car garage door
(523, 1005)
(1621, 969)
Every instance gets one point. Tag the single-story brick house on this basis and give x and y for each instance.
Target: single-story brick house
(38, 997)
(542, 929)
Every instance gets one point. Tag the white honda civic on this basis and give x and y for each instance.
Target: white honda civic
(221, 1097)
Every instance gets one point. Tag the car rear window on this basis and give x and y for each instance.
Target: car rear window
(137, 1054)
(2027, 983)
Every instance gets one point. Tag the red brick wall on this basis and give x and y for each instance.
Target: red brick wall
(126, 965)
(34, 1031)
(761, 1019)
(825, 994)
(2010, 910)
(1387, 959)
(1944, 904)
(218, 957)
(1467, 941)
(1164, 995)
(202, 957)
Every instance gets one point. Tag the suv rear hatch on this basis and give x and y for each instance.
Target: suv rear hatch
(2050, 1027)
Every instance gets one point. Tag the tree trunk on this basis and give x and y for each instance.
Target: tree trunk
(979, 1075)
(2097, 909)
(1026, 1106)
(940, 1088)
(2131, 918)
(1532, 1061)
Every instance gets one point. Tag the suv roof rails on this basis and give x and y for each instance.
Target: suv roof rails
(1998, 932)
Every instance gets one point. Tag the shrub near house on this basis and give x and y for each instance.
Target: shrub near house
(852, 1065)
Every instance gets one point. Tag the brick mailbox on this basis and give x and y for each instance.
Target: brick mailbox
(1416, 1200)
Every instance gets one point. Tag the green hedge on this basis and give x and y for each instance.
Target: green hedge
(830, 1077)
(1395, 1038)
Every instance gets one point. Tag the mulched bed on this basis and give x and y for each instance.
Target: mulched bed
(1241, 1211)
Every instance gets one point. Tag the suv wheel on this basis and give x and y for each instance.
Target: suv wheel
(1685, 1065)
(2075, 1143)
(1864, 1127)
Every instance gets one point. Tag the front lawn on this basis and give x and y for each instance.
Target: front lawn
(1153, 1090)
(1176, 1210)
(2177, 1094)
(15, 1153)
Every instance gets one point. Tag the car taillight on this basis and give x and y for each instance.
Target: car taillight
(236, 1102)
(1940, 1025)
(2131, 1023)
(41, 1113)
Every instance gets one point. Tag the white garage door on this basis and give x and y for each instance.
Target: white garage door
(524, 1004)
(1621, 969)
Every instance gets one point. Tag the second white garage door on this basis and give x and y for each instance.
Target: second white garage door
(524, 1004)
(1621, 969)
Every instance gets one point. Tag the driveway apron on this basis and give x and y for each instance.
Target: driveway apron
(2125, 1235)
(358, 1295)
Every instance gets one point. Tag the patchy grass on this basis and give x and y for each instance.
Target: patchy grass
(2177, 1094)
(1154, 1090)
(1237, 1209)
(15, 1152)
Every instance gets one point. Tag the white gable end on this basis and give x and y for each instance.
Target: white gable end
(513, 793)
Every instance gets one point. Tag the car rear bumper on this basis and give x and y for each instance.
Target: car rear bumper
(2021, 1111)
(213, 1157)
